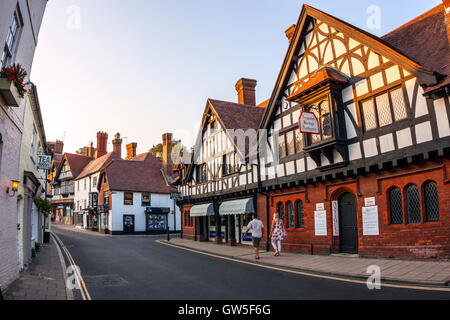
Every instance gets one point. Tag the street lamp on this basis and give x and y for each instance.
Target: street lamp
(14, 187)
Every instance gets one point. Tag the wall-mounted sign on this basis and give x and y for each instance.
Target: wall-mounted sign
(335, 217)
(320, 223)
(320, 206)
(370, 221)
(369, 202)
(308, 123)
(44, 162)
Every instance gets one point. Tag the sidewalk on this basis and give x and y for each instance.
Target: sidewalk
(418, 272)
(44, 280)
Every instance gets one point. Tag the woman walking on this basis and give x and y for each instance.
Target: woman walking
(278, 233)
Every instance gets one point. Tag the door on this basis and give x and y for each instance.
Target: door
(128, 224)
(348, 224)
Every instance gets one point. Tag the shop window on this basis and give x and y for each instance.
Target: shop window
(395, 206)
(128, 198)
(281, 210)
(413, 204)
(290, 214)
(431, 202)
(300, 217)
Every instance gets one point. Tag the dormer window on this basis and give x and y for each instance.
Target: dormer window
(323, 114)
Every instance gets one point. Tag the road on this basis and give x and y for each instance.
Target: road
(137, 268)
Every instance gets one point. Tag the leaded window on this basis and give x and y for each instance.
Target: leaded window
(413, 204)
(290, 143)
(384, 110)
(431, 202)
(281, 210)
(298, 140)
(396, 206)
(300, 220)
(398, 104)
(370, 121)
(323, 114)
(290, 212)
(282, 145)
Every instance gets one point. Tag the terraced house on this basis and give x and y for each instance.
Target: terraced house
(372, 180)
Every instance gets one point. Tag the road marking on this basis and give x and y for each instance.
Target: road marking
(302, 272)
(83, 289)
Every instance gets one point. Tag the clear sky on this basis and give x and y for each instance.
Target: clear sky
(146, 67)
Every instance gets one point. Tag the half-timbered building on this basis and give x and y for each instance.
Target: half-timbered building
(374, 180)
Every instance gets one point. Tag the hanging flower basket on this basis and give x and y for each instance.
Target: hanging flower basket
(11, 84)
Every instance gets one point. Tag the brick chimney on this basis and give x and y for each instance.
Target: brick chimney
(246, 91)
(131, 150)
(91, 150)
(59, 147)
(447, 17)
(117, 145)
(102, 142)
(167, 153)
(290, 32)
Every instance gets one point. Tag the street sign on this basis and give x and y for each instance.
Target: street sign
(308, 123)
(175, 195)
(44, 162)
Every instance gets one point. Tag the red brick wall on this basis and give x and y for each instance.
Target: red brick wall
(425, 240)
(188, 226)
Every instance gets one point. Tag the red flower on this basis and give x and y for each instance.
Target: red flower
(25, 90)
(21, 81)
(12, 77)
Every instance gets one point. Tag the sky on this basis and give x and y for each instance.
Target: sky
(146, 67)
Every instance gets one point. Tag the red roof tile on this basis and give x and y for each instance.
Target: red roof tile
(76, 162)
(137, 176)
(97, 165)
(238, 116)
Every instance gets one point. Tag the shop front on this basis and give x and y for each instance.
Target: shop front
(157, 220)
(235, 215)
(207, 221)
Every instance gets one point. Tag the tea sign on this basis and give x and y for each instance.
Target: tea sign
(308, 123)
(44, 162)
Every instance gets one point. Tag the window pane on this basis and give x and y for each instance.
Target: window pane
(300, 223)
(396, 206)
(398, 103)
(290, 143)
(290, 212)
(281, 210)
(370, 121)
(282, 146)
(384, 110)
(298, 140)
(315, 137)
(326, 126)
(431, 201)
(413, 204)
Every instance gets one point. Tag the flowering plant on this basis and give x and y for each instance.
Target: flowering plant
(16, 74)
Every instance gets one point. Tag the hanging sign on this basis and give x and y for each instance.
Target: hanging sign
(320, 223)
(335, 217)
(44, 162)
(370, 221)
(308, 123)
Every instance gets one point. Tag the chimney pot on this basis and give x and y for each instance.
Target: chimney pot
(117, 145)
(246, 91)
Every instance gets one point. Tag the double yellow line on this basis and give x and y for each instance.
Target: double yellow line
(84, 291)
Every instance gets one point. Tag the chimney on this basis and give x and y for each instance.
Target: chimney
(131, 150)
(246, 91)
(117, 145)
(290, 32)
(167, 153)
(447, 17)
(91, 150)
(59, 147)
(102, 141)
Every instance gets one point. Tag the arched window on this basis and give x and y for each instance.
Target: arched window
(300, 220)
(430, 191)
(413, 204)
(395, 206)
(281, 210)
(290, 212)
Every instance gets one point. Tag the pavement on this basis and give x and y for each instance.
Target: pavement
(434, 273)
(43, 280)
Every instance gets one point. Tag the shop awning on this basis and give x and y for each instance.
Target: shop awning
(202, 210)
(241, 206)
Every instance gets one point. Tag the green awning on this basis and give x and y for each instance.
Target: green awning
(241, 206)
(202, 210)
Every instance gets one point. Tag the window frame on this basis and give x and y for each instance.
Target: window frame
(144, 203)
(125, 198)
(297, 220)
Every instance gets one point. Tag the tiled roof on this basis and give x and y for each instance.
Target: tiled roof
(142, 156)
(238, 116)
(76, 162)
(97, 165)
(425, 40)
(137, 176)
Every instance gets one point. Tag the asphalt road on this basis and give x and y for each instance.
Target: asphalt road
(137, 268)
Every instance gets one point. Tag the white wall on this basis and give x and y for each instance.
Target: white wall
(156, 200)
(82, 195)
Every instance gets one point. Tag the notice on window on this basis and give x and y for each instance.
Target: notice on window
(320, 222)
(370, 221)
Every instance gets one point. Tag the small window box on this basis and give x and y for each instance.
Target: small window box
(9, 93)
